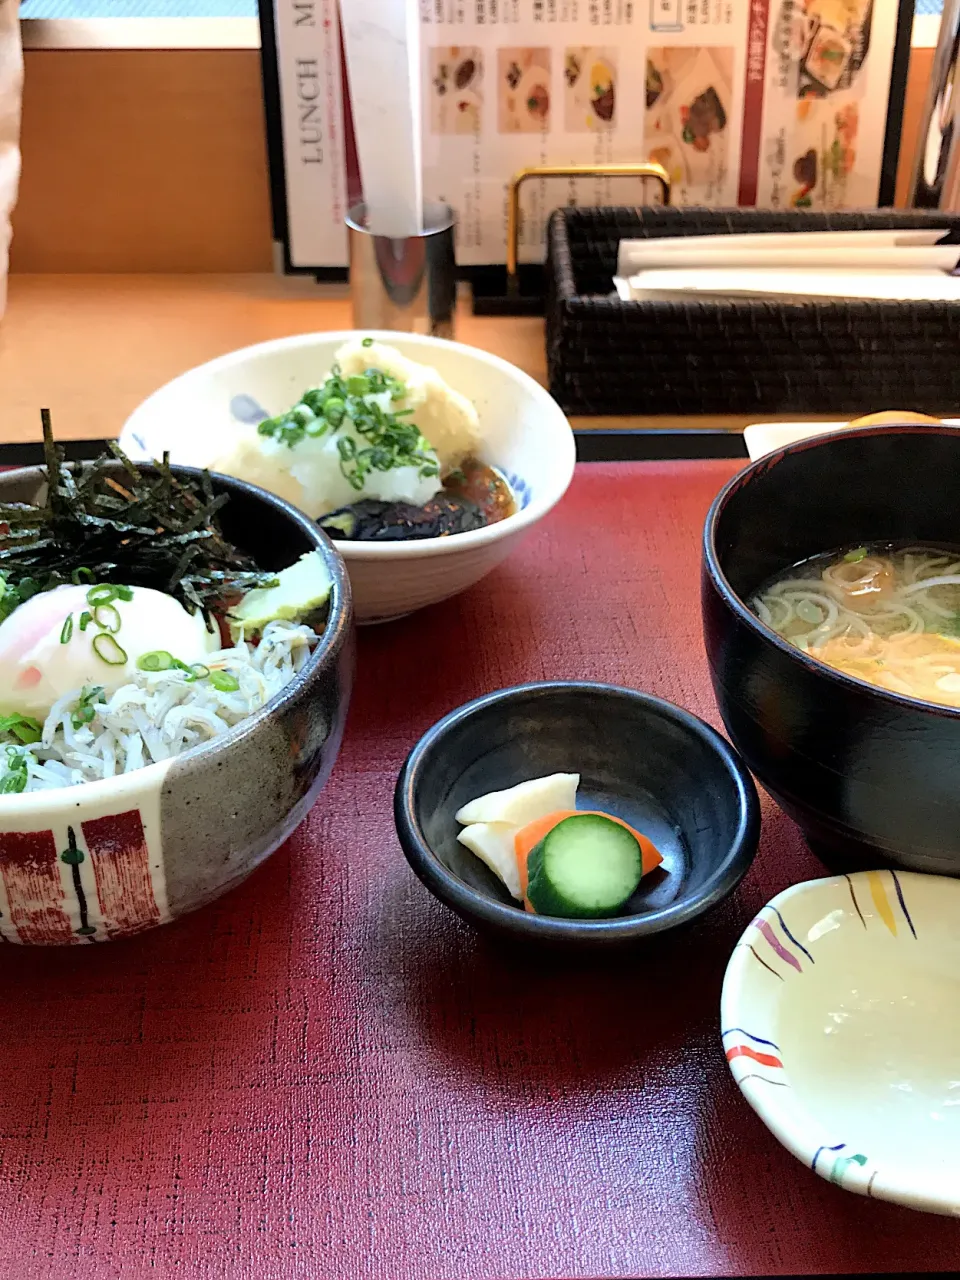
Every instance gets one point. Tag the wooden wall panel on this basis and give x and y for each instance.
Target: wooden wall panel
(143, 160)
(921, 69)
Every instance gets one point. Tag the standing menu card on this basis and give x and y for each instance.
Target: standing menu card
(304, 99)
(784, 104)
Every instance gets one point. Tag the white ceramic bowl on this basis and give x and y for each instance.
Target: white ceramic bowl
(839, 1022)
(525, 434)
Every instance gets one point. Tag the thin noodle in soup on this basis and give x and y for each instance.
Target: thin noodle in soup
(886, 615)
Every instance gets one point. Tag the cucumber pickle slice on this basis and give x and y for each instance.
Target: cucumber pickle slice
(586, 867)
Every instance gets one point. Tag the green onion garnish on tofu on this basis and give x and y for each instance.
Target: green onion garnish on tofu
(362, 403)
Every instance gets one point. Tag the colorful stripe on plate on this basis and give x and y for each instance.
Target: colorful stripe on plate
(840, 1164)
(753, 1057)
(887, 905)
(778, 947)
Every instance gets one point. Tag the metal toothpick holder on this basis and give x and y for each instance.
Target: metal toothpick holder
(408, 284)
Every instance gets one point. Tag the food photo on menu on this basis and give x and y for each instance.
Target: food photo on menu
(590, 76)
(689, 98)
(480, 700)
(524, 90)
(456, 98)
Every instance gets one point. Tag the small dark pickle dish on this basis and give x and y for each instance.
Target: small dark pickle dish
(649, 762)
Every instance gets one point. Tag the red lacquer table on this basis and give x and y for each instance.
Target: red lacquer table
(327, 1075)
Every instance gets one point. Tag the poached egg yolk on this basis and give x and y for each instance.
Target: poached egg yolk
(37, 666)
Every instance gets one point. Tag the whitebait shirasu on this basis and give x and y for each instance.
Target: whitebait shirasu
(163, 713)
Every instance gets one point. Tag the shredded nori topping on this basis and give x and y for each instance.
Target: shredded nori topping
(147, 529)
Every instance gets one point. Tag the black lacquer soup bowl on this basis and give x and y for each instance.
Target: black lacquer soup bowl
(872, 777)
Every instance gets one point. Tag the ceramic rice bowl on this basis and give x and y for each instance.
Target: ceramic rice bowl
(525, 433)
(107, 859)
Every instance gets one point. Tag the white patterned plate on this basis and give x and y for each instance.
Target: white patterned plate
(840, 1018)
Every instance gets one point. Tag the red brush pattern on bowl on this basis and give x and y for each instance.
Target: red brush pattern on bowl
(42, 910)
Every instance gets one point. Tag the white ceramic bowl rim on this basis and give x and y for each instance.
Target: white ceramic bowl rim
(535, 510)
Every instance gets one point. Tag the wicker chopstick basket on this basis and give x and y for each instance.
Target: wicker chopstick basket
(737, 356)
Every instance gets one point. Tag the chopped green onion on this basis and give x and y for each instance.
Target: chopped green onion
(107, 617)
(107, 649)
(314, 399)
(157, 660)
(335, 410)
(302, 415)
(367, 342)
(23, 727)
(124, 593)
(66, 631)
(81, 575)
(371, 435)
(16, 776)
(85, 620)
(224, 681)
(104, 593)
(85, 710)
(194, 671)
(855, 556)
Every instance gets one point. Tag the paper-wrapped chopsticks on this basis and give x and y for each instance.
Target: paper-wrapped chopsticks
(791, 283)
(901, 265)
(882, 249)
